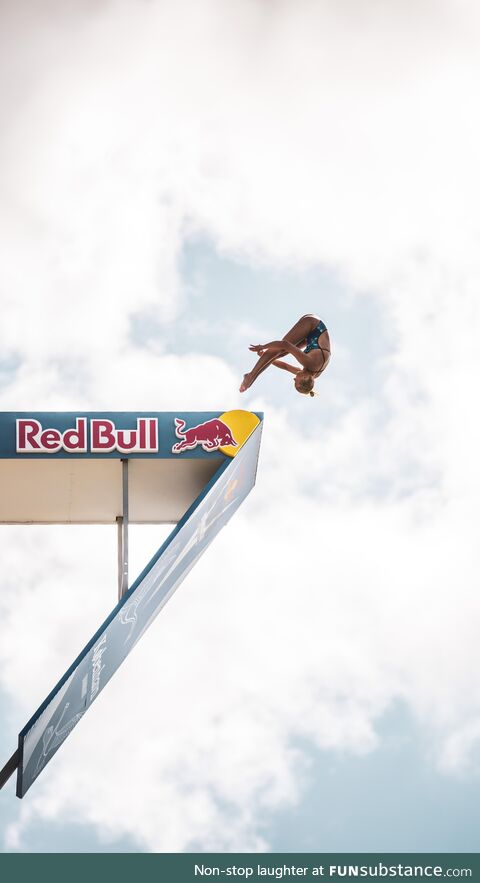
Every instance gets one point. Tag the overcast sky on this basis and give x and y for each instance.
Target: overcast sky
(178, 181)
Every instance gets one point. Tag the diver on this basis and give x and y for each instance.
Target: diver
(308, 342)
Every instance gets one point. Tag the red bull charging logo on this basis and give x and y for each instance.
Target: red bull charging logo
(211, 435)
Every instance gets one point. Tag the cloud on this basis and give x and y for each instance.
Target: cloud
(316, 133)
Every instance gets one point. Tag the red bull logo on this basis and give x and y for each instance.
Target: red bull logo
(32, 438)
(124, 435)
(211, 435)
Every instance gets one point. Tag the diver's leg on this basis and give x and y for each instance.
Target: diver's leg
(262, 362)
(301, 329)
(296, 335)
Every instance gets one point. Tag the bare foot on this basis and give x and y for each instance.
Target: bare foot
(245, 383)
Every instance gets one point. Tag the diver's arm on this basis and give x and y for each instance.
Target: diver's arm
(284, 346)
(286, 367)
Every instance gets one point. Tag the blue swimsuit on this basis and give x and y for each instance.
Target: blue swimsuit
(312, 339)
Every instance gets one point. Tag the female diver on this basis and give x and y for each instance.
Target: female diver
(307, 341)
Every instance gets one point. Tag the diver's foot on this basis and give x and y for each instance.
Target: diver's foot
(245, 383)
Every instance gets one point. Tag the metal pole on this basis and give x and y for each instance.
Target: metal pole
(9, 768)
(122, 522)
(119, 520)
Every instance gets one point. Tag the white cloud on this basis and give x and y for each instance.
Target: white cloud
(334, 133)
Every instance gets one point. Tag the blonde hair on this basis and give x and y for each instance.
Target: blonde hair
(305, 386)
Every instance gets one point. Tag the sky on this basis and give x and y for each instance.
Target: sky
(178, 181)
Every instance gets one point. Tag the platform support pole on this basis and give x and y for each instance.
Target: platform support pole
(9, 768)
(122, 526)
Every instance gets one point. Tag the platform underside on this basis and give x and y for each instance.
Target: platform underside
(89, 491)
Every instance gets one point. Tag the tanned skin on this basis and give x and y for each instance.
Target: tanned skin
(312, 363)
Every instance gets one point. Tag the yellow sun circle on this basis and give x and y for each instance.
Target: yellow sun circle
(241, 425)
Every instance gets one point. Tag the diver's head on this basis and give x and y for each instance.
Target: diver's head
(304, 383)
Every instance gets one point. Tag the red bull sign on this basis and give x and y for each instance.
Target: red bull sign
(119, 434)
(96, 435)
